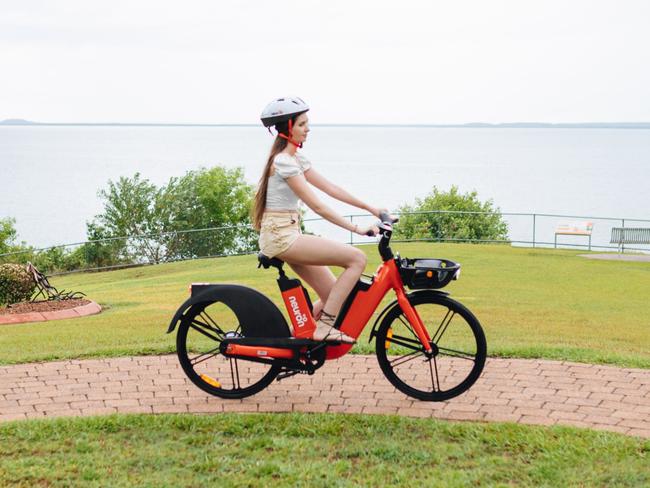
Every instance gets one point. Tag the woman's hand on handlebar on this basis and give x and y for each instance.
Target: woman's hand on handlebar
(381, 214)
(371, 230)
(384, 214)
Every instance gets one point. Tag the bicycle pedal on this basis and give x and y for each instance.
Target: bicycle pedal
(286, 374)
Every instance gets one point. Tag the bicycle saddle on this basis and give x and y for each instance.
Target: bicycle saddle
(266, 262)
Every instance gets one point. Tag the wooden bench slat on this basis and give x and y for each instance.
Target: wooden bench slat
(578, 228)
(573, 233)
(574, 229)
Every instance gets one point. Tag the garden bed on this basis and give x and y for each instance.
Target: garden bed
(47, 310)
(43, 306)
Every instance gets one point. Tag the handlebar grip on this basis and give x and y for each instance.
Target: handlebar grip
(385, 217)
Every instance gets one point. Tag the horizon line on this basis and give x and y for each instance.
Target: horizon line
(629, 125)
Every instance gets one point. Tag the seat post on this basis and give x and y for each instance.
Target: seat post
(266, 262)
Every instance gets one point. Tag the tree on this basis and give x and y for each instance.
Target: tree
(20, 252)
(7, 235)
(442, 224)
(132, 207)
(208, 198)
(102, 251)
(155, 218)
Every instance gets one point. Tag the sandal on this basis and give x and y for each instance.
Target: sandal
(325, 331)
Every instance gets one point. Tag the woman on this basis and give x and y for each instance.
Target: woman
(286, 179)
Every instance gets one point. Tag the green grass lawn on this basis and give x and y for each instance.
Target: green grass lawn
(531, 302)
(312, 450)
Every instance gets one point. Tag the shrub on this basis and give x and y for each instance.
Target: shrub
(16, 284)
(442, 223)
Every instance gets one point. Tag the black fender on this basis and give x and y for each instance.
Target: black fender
(257, 314)
(394, 304)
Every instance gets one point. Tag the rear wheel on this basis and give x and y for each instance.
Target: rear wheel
(200, 333)
(457, 341)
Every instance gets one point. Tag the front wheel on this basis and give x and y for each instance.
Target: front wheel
(457, 341)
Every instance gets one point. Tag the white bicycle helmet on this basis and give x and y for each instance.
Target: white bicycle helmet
(282, 109)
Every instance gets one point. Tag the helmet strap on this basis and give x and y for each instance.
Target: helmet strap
(290, 136)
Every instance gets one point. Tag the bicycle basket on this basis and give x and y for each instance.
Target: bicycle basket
(420, 273)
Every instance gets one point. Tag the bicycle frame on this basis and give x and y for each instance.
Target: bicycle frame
(365, 302)
(354, 316)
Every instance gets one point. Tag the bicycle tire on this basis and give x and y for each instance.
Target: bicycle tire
(473, 340)
(208, 383)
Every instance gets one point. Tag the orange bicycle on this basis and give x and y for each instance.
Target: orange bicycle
(233, 341)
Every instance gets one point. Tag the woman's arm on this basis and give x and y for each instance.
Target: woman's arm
(335, 191)
(300, 187)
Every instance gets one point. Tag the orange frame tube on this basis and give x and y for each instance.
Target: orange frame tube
(259, 351)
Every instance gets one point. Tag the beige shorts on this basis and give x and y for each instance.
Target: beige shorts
(278, 232)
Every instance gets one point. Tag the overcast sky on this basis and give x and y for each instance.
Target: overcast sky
(352, 61)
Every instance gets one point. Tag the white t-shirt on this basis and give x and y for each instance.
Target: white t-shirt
(279, 195)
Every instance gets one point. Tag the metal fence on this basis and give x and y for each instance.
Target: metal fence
(138, 250)
(524, 229)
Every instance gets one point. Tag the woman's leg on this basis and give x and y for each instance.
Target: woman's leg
(320, 278)
(312, 250)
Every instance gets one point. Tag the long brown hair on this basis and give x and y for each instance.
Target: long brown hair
(259, 203)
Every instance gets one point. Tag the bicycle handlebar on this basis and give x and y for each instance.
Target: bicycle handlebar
(387, 218)
(386, 231)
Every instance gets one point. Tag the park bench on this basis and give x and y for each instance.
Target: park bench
(46, 290)
(575, 229)
(629, 235)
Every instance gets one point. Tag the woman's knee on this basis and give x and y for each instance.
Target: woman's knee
(358, 259)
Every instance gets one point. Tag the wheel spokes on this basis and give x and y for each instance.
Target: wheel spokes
(437, 379)
(435, 365)
(442, 328)
(408, 326)
(406, 358)
(214, 326)
(200, 327)
(457, 354)
(205, 356)
(234, 374)
(406, 342)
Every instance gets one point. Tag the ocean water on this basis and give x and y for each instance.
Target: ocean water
(50, 175)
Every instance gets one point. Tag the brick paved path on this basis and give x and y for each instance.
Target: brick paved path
(517, 390)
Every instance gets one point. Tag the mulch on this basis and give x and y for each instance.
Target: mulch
(43, 306)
